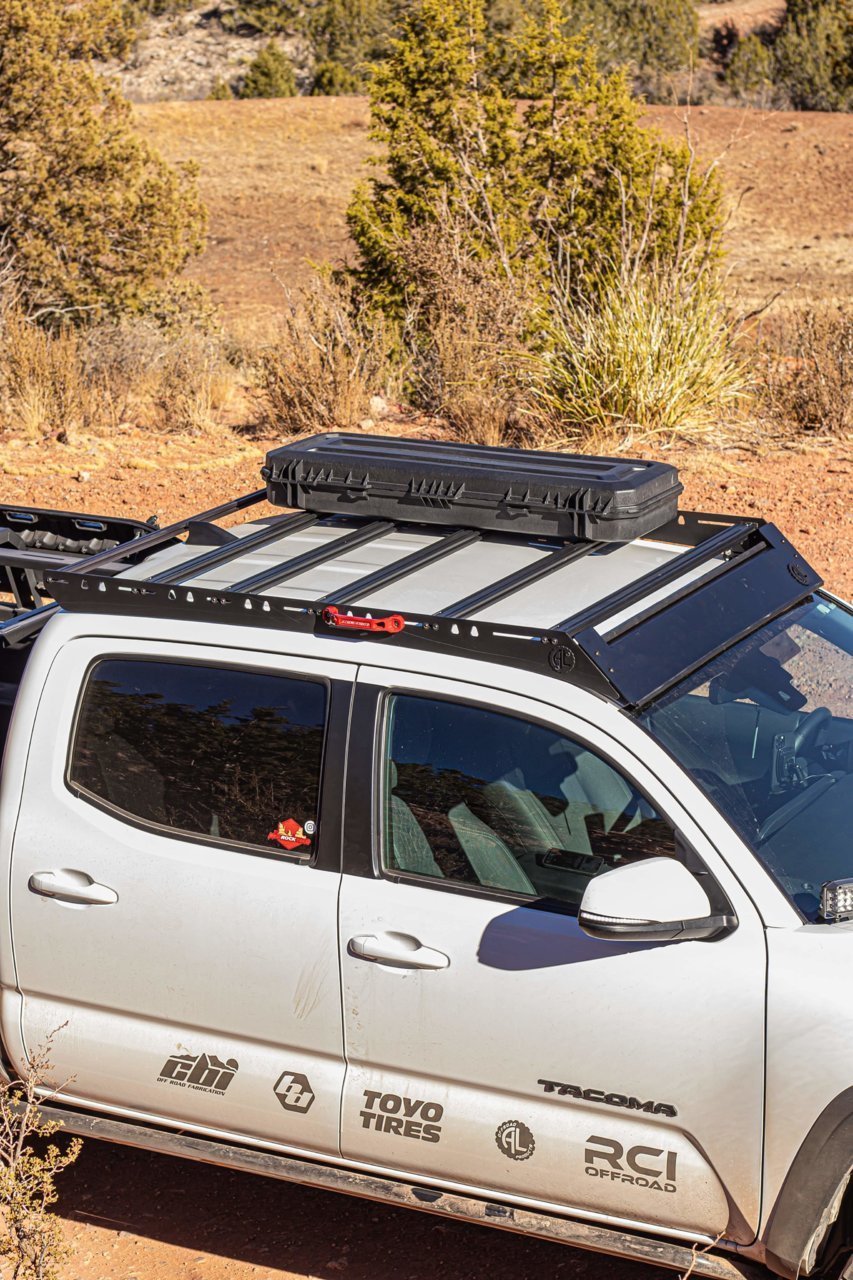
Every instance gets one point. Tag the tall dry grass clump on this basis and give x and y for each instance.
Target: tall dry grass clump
(66, 381)
(808, 371)
(654, 355)
(329, 360)
(43, 384)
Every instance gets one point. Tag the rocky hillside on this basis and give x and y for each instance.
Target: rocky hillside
(182, 56)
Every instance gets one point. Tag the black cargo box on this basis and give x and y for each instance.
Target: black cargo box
(561, 495)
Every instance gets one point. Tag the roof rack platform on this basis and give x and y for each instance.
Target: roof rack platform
(520, 491)
(622, 620)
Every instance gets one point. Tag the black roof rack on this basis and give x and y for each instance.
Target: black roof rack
(34, 540)
(732, 577)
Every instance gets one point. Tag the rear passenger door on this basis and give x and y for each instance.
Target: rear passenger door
(491, 1043)
(174, 886)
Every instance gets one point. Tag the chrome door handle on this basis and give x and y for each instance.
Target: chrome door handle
(400, 950)
(71, 886)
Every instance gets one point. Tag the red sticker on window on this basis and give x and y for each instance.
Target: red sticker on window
(289, 835)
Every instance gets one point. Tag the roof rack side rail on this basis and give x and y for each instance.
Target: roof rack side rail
(328, 551)
(235, 547)
(398, 569)
(723, 543)
(497, 591)
(158, 537)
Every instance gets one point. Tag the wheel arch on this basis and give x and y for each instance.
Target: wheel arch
(815, 1195)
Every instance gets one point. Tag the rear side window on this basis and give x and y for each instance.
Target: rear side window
(210, 752)
(476, 797)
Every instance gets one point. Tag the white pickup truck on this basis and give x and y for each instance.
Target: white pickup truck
(477, 836)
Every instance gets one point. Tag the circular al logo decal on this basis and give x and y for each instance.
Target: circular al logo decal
(309, 828)
(515, 1140)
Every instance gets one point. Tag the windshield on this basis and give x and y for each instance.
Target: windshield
(767, 731)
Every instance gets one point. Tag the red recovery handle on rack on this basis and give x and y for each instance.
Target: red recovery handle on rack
(334, 618)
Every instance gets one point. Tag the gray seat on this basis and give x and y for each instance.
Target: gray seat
(492, 862)
(409, 845)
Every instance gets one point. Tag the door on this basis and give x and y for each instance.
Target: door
(490, 1042)
(175, 877)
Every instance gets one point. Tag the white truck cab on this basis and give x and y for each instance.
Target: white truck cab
(475, 838)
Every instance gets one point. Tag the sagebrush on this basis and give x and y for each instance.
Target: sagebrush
(31, 1239)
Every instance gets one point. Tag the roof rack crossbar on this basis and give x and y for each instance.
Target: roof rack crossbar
(157, 537)
(24, 558)
(235, 547)
(328, 551)
(497, 591)
(402, 568)
(727, 540)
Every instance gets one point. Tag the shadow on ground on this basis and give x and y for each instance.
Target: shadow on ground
(134, 1215)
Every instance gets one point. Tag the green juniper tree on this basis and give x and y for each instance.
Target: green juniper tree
(270, 75)
(572, 182)
(92, 219)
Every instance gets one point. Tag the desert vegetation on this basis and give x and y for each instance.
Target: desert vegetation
(532, 261)
(31, 1241)
(803, 60)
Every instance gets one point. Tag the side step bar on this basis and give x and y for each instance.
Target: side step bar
(659, 1253)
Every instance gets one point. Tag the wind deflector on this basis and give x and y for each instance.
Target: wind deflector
(515, 491)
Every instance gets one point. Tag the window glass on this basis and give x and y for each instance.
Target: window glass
(211, 752)
(481, 798)
(766, 729)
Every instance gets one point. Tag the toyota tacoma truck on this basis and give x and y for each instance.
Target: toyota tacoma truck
(467, 829)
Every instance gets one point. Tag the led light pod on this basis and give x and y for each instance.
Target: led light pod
(836, 900)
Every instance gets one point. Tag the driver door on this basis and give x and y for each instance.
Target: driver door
(490, 1043)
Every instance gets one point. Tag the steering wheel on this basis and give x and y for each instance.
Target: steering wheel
(809, 728)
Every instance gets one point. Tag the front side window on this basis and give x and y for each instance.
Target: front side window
(766, 729)
(210, 752)
(475, 797)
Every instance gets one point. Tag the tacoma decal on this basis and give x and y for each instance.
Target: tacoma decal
(198, 1071)
(611, 1099)
(515, 1140)
(636, 1165)
(407, 1117)
(294, 1091)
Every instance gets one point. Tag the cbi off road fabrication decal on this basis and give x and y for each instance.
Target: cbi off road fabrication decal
(648, 1167)
(407, 1117)
(611, 1099)
(202, 1071)
(294, 1091)
(515, 1140)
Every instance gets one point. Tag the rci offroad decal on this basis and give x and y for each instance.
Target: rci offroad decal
(648, 1167)
(198, 1071)
(611, 1099)
(406, 1117)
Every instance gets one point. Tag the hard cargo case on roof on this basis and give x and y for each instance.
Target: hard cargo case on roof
(511, 490)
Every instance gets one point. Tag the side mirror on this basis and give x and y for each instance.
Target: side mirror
(657, 900)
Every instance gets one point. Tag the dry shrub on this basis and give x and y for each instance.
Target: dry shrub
(31, 1239)
(43, 384)
(178, 380)
(654, 355)
(70, 381)
(466, 333)
(327, 362)
(808, 371)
